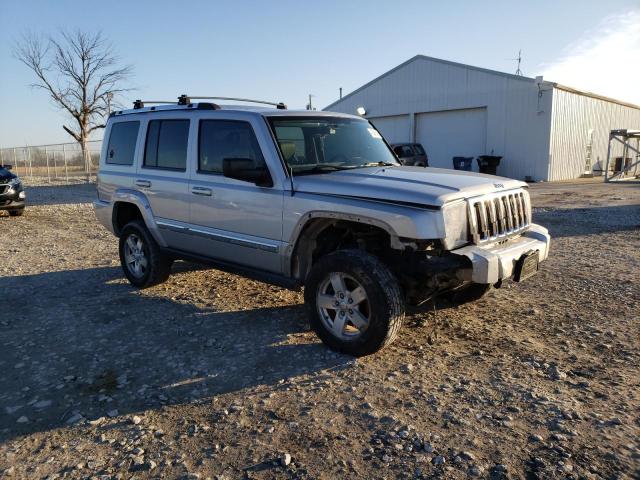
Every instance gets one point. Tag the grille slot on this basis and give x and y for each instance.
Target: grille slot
(4, 188)
(499, 215)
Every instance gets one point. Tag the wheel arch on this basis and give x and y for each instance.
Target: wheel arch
(124, 201)
(299, 258)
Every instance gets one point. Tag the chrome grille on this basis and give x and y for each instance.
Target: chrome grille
(499, 215)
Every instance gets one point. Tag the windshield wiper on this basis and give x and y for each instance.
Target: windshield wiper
(321, 169)
(376, 164)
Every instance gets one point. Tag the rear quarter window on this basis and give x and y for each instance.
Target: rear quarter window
(122, 143)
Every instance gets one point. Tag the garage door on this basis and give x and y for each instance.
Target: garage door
(451, 134)
(394, 129)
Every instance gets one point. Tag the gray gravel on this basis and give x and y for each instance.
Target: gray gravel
(214, 376)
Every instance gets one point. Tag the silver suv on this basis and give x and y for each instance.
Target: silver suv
(313, 199)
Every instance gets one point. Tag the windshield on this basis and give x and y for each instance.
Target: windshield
(324, 144)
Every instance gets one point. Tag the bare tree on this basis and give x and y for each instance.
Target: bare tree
(80, 73)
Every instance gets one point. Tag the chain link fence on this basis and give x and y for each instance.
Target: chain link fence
(60, 163)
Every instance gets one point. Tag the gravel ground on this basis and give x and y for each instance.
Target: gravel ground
(214, 376)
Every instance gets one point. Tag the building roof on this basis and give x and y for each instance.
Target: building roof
(594, 95)
(485, 70)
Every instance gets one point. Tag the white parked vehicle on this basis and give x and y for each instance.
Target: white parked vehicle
(313, 199)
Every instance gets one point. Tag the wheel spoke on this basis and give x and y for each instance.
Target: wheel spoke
(326, 301)
(358, 295)
(337, 282)
(131, 244)
(143, 262)
(338, 324)
(359, 320)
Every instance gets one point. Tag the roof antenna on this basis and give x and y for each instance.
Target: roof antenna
(519, 59)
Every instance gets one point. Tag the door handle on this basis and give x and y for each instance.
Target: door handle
(143, 183)
(207, 192)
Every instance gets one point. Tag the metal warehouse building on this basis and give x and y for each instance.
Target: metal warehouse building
(543, 130)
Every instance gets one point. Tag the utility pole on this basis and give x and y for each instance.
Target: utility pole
(310, 105)
(340, 93)
(109, 98)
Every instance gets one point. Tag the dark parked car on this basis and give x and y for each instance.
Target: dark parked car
(411, 154)
(11, 192)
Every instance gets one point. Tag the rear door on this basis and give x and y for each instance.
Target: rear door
(163, 177)
(233, 220)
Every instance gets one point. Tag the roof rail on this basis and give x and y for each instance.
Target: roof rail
(137, 104)
(278, 105)
(186, 100)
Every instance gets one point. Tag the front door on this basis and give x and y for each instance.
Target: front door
(232, 220)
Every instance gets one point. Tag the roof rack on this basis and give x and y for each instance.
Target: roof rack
(278, 105)
(186, 100)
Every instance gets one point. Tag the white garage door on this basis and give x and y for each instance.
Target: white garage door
(394, 129)
(453, 133)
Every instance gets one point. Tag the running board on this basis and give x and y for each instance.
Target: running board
(248, 272)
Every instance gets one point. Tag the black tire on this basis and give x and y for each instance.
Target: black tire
(470, 293)
(385, 302)
(158, 265)
(16, 213)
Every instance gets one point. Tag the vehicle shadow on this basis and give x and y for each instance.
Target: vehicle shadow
(576, 222)
(84, 342)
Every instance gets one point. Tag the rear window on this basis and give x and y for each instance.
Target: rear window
(419, 149)
(403, 151)
(122, 143)
(166, 145)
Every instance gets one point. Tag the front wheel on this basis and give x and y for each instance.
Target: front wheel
(142, 261)
(354, 302)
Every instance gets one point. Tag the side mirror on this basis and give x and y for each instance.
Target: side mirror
(244, 169)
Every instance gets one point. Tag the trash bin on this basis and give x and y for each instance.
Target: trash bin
(488, 163)
(462, 163)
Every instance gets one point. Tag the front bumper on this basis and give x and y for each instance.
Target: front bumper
(14, 199)
(492, 263)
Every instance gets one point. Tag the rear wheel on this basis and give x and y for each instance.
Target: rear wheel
(354, 302)
(141, 258)
(16, 213)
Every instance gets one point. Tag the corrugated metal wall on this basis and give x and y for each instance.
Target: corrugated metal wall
(518, 120)
(573, 117)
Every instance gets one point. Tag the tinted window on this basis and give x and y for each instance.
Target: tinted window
(122, 143)
(220, 139)
(167, 144)
(404, 151)
(419, 149)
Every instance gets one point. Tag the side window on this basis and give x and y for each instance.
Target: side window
(220, 139)
(122, 143)
(166, 145)
(419, 149)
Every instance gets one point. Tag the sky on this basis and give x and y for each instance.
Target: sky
(286, 50)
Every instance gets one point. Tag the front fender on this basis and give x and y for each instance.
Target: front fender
(141, 201)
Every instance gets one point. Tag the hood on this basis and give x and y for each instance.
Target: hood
(5, 175)
(415, 185)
